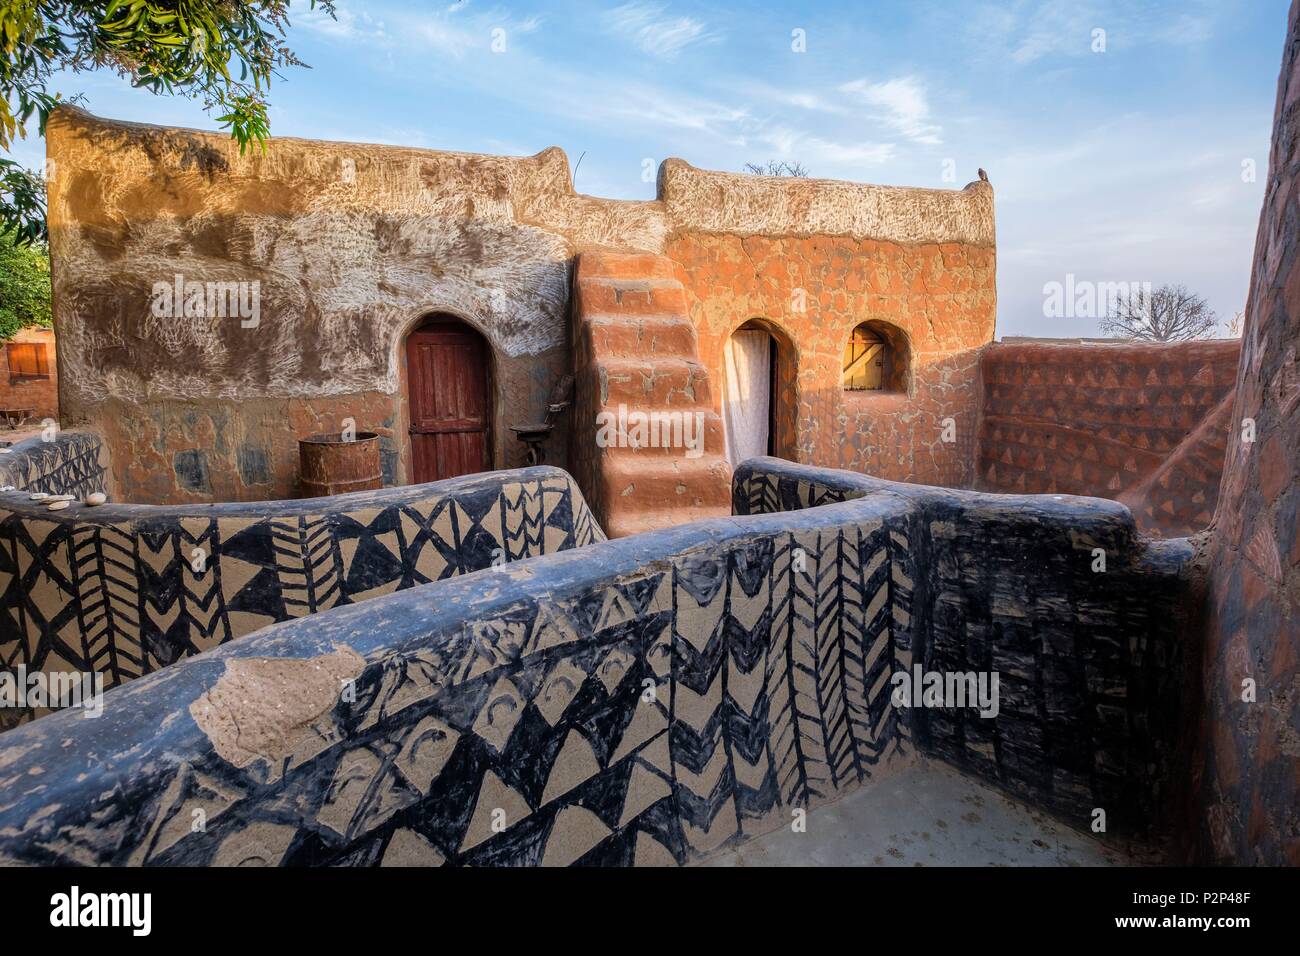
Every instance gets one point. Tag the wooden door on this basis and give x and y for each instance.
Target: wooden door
(447, 369)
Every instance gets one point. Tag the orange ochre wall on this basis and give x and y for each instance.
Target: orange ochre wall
(39, 395)
(1144, 423)
(940, 295)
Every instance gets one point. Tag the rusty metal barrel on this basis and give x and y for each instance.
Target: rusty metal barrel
(331, 466)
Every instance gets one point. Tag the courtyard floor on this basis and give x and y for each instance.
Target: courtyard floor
(928, 815)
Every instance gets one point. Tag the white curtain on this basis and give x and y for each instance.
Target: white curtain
(745, 411)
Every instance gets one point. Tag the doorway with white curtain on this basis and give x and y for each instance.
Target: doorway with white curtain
(749, 359)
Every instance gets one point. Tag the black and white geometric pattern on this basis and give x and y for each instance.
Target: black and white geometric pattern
(73, 463)
(125, 589)
(586, 708)
(1091, 665)
(650, 700)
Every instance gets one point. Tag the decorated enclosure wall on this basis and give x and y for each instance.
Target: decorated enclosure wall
(1094, 665)
(1146, 424)
(122, 590)
(649, 700)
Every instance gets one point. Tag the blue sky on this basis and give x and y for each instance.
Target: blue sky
(1122, 165)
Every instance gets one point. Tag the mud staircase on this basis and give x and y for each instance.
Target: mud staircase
(635, 354)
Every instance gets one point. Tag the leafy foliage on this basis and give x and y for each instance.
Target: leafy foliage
(222, 51)
(24, 287)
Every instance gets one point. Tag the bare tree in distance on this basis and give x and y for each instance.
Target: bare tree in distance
(777, 168)
(1235, 324)
(1170, 313)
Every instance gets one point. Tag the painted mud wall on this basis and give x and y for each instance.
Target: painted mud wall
(1095, 669)
(351, 247)
(816, 263)
(1248, 797)
(1142, 423)
(123, 590)
(771, 692)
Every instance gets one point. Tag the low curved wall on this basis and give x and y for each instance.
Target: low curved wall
(647, 700)
(644, 700)
(73, 463)
(1093, 664)
(122, 590)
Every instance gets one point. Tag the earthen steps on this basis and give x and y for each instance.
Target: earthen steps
(639, 363)
(694, 482)
(655, 383)
(633, 297)
(664, 335)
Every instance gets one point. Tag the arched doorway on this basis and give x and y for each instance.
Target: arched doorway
(750, 402)
(448, 387)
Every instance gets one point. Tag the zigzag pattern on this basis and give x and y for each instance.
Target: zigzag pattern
(74, 463)
(108, 601)
(307, 563)
(652, 719)
(858, 603)
(125, 597)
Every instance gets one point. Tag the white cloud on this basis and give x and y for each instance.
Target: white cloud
(810, 148)
(344, 25)
(652, 31)
(402, 31)
(1023, 33)
(902, 104)
(657, 106)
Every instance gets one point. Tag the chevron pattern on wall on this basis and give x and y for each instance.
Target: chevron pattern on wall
(651, 719)
(1089, 663)
(74, 463)
(125, 590)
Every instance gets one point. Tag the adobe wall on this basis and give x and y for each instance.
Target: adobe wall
(768, 641)
(352, 245)
(1248, 806)
(39, 395)
(1146, 424)
(1093, 668)
(813, 265)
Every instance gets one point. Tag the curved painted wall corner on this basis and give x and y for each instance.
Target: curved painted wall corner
(1087, 624)
(645, 700)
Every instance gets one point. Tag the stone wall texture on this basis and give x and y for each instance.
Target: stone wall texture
(1248, 807)
(1146, 424)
